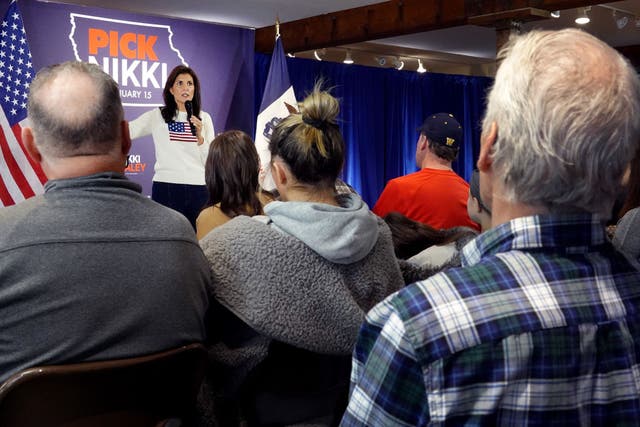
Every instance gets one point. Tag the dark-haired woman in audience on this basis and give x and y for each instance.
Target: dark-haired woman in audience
(424, 250)
(476, 207)
(298, 281)
(231, 177)
(178, 180)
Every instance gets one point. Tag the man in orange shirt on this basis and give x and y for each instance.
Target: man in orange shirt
(435, 195)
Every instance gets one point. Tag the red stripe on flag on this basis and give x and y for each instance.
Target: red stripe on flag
(5, 197)
(14, 169)
(181, 137)
(17, 131)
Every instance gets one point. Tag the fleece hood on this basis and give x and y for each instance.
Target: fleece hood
(341, 234)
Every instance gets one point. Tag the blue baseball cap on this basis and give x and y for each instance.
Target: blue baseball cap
(442, 128)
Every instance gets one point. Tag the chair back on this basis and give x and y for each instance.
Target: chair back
(140, 391)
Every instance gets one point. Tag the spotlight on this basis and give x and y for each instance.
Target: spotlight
(291, 55)
(398, 64)
(315, 54)
(347, 58)
(583, 18)
(421, 68)
(555, 14)
(382, 61)
(621, 21)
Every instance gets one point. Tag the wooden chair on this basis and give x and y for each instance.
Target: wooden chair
(153, 390)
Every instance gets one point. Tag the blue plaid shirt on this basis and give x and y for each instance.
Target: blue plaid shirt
(541, 326)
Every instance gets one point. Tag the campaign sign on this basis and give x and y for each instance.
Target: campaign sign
(139, 52)
(137, 55)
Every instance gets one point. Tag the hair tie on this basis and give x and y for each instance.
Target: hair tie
(316, 123)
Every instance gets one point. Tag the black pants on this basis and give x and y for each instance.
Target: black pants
(184, 198)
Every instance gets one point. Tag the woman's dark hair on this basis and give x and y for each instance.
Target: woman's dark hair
(474, 189)
(170, 106)
(633, 187)
(411, 237)
(310, 142)
(231, 174)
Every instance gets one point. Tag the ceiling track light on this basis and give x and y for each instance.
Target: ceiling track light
(583, 17)
(621, 20)
(421, 68)
(555, 14)
(397, 62)
(621, 17)
(291, 55)
(347, 58)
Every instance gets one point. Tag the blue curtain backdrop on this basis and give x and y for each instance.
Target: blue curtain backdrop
(381, 110)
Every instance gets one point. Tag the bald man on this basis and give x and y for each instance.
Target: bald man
(91, 269)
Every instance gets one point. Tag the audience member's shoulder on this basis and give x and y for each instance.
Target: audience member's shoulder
(237, 227)
(21, 208)
(627, 235)
(172, 220)
(451, 283)
(408, 177)
(12, 216)
(629, 220)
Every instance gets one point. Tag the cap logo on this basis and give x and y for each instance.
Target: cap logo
(450, 141)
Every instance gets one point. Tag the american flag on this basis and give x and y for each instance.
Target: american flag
(20, 176)
(181, 132)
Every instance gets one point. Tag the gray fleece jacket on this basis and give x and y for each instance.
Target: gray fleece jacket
(306, 275)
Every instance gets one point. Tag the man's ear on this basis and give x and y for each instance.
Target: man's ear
(126, 137)
(486, 144)
(29, 142)
(423, 142)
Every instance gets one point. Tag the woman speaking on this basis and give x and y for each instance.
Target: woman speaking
(181, 135)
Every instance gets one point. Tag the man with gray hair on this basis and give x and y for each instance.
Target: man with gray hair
(539, 326)
(91, 269)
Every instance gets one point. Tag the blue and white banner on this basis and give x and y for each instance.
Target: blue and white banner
(278, 101)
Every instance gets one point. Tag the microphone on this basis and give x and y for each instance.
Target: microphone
(188, 105)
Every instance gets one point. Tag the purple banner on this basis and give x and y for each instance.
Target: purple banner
(135, 54)
(139, 51)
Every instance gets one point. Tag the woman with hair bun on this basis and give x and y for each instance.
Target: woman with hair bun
(295, 284)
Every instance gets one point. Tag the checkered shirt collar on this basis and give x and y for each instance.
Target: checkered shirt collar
(569, 234)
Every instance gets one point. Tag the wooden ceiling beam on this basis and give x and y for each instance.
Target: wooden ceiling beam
(399, 17)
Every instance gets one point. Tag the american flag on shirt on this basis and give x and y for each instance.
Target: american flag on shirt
(181, 132)
(20, 176)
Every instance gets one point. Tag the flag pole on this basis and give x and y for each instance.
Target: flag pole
(278, 101)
